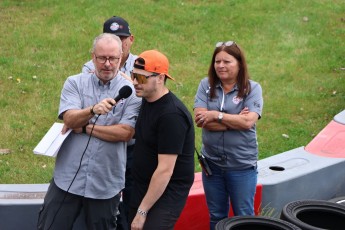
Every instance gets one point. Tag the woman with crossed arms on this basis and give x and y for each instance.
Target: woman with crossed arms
(227, 106)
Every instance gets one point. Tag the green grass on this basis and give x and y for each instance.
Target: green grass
(298, 62)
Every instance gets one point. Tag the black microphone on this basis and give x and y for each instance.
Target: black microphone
(124, 92)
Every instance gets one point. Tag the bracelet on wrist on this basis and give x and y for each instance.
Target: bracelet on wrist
(91, 110)
(141, 212)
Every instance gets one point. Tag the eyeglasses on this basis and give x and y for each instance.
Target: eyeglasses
(141, 78)
(111, 59)
(228, 43)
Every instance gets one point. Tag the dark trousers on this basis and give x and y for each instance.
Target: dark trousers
(158, 218)
(60, 211)
(122, 218)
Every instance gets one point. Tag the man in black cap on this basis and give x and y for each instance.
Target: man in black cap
(120, 27)
(89, 173)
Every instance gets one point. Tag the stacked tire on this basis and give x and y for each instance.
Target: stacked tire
(338, 200)
(315, 214)
(254, 223)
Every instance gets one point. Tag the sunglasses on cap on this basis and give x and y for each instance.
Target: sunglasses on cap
(141, 78)
(228, 43)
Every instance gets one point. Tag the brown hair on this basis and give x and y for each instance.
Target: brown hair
(242, 77)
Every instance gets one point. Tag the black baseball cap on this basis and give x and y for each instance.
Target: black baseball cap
(117, 25)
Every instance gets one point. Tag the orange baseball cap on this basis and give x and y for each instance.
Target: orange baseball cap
(153, 61)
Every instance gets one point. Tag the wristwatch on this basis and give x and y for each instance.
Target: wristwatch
(220, 117)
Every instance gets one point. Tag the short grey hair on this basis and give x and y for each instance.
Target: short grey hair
(106, 36)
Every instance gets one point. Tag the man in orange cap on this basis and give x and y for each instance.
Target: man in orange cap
(163, 160)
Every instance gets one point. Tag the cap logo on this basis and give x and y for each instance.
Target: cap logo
(114, 26)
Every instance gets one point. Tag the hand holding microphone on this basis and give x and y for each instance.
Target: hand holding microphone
(107, 104)
(124, 92)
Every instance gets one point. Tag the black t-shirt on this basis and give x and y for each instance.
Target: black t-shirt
(166, 127)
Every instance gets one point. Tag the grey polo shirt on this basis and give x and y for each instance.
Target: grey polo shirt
(102, 172)
(126, 68)
(232, 149)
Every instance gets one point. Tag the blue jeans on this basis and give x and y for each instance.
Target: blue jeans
(224, 186)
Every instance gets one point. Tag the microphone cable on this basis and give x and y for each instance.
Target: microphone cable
(81, 159)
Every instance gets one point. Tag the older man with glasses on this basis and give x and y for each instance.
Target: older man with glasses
(89, 172)
(120, 27)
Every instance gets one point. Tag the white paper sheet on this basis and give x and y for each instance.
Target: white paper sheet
(52, 141)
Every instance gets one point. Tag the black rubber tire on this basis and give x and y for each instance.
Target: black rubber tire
(254, 223)
(314, 214)
(338, 200)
